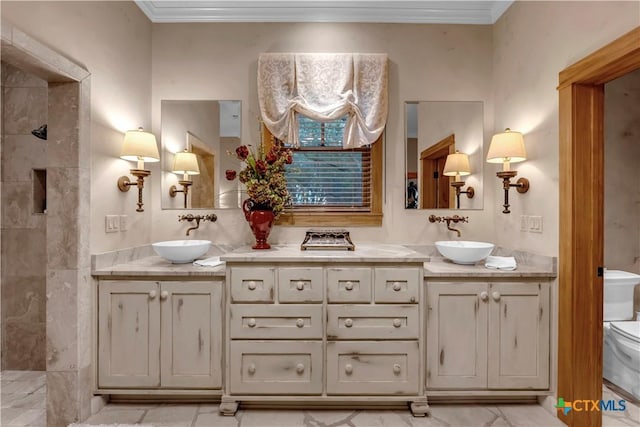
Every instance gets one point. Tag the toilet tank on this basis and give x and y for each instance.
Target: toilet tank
(618, 294)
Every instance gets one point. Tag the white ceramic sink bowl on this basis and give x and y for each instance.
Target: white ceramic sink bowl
(464, 252)
(181, 251)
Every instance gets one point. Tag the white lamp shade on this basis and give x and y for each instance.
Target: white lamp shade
(507, 146)
(140, 145)
(457, 164)
(185, 162)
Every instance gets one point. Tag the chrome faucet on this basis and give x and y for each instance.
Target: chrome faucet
(197, 219)
(449, 219)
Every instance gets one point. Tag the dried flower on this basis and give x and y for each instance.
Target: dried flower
(231, 174)
(264, 176)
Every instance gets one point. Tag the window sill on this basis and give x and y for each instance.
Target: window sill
(330, 219)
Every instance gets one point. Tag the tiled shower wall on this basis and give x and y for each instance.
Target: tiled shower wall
(24, 254)
(622, 175)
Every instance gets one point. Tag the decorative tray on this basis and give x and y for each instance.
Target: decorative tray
(327, 240)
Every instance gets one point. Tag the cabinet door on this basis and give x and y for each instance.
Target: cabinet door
(191, 334)
(456, 335)
(519, 335)
(128, 334)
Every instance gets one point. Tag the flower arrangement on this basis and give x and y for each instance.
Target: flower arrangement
(264, 176)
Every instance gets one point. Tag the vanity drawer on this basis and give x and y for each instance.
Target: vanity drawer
(252, 284)
(394, 285)
(345, 322)
(275, 321)
(349, 284)
(373, 367)
(276, 367)
(300, 284)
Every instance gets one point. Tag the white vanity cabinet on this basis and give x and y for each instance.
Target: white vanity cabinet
(164, 335)
(488, 335)
(322, 332)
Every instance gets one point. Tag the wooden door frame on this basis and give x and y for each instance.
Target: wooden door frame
(429, 160)
(581, 125)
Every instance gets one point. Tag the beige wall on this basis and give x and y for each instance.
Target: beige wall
(113, 41)
(427, 62)
(533, 42)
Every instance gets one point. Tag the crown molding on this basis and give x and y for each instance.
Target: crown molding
(374, 11)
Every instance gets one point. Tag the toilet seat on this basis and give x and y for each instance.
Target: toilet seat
(629, 330)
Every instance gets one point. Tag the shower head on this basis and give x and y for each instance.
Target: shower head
(41, 132)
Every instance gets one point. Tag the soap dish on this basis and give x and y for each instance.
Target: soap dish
(327, 240)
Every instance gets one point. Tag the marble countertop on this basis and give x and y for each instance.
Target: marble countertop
(292, 253)
(143, 262)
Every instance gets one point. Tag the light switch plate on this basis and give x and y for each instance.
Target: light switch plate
(124, 222)
(111, 223)
(535, 224)
(524, 223)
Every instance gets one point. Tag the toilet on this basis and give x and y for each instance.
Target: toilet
(621, 356)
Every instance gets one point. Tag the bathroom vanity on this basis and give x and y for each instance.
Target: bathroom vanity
(382, 325)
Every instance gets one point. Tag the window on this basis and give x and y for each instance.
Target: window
(330, 186)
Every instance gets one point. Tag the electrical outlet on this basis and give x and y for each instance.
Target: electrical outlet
(524, 223)
(535, 224)
(111, 223)
(124, 222)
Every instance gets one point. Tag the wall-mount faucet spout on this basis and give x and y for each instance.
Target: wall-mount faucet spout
(197, 219)
(448, 220)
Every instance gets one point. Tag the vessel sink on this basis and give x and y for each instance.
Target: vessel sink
(464, 252)
(181, 251)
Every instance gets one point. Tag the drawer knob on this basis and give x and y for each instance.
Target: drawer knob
(348, 286)
(397, 323)
(300, 323)
(300, 286)
(397, 286)
(164, 295)
(348, 323)
(396, 368)
(251, 369)
(496, 296)
(484, 296)
(299, 368)
(152, 294)
(251, 285)
(348, 369)
(251, 322)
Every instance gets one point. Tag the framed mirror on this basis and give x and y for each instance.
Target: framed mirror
(196, 136)
(444, 154)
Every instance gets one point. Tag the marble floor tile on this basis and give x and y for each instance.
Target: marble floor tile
(465, 415)
(122, 416)
(630, 417)
(171, 415)
(29, 417)
(212, 419)
(379, 419)
(321, 418)
(271, 418)
(528, 415)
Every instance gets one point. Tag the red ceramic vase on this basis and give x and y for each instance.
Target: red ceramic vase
(260, 222)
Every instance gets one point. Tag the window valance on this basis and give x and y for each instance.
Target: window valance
(324, 87)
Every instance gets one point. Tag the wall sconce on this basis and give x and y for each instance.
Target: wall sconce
(138, 146)
(457, 165)
(506, 148)
(185, 163)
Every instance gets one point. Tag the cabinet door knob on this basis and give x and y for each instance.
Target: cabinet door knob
(397, 323)
(300, 323)
(348, 369)
(496, 296)
(300, 286)
(252, 285)
(348, 286)
(397, 286)
(251, 322)
(164, 295)
(484, 296)
(152, 294)
(299, 368)
(251, 369)
(396, 368)
(348, 323)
